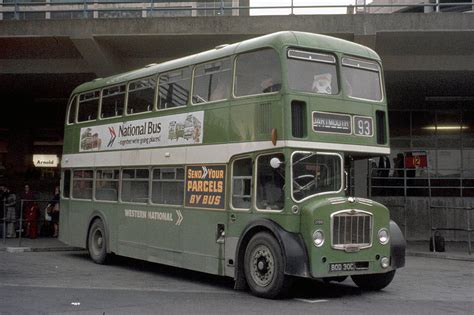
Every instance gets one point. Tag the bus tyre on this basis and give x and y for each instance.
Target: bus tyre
(264, 267)
(374, 282)
(96, 242)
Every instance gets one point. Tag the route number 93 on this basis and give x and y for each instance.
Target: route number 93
(363, 126)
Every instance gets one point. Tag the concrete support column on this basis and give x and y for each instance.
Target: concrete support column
(48, 13)
(99, 57)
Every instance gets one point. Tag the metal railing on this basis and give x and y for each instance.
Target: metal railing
(467, 228)
(405, 182)
(47, 9)
(29, 220)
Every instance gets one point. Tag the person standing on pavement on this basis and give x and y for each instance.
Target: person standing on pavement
(10, 205)
(28, 196)
(53, 210)
(2, 210)
(30, 212)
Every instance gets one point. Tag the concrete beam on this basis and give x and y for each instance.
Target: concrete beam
(358, 24)
(100, 58)
(366, 40)
(428, 62)
(43, 66)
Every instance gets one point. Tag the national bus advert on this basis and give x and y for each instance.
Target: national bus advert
(205, 186)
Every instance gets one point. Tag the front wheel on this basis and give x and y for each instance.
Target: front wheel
(374, 282)
(97, 242)
(264, 267)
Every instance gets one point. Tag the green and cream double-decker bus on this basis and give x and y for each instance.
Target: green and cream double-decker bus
(234, 162)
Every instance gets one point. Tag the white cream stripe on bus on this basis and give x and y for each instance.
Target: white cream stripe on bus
(218, 153)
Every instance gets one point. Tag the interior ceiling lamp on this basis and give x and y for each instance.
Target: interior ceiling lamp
(447, 127)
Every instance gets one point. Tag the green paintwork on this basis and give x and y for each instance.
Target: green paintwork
(243, 112)
(192, 244)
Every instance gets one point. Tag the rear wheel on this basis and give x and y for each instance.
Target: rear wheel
(264, 267)
(374, 282)
(97, 242)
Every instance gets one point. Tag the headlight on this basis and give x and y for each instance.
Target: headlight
(318, 238)
(384, 236)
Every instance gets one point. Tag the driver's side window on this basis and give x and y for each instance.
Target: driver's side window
(270, 183)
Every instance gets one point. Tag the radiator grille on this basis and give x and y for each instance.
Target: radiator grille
(352, 230)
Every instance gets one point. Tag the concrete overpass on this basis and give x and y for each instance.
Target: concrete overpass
(75, 50)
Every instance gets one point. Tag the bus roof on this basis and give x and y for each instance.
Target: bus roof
(276, 40)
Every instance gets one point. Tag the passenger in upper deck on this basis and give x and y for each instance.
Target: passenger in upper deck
(269, 85)
(221, 91)
(322, 83)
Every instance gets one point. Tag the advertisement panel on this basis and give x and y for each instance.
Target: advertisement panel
(178, 129)
(205, 186)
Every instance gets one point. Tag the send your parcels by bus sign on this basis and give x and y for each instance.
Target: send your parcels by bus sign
(205, 186)
(144, 133)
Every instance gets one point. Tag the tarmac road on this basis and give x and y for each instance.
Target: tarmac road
(69, 282)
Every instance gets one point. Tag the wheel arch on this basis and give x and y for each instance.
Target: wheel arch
(98, 215)
(294, 251)
(397, 246)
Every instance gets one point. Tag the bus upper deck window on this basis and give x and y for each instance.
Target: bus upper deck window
(173, 89)
(312, 72)
(113, 101)
(141, 95)
(212, 81)
(257, 72)
(362, 79)
(88, 106)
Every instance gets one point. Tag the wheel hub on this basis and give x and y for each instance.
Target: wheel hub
(262, 266)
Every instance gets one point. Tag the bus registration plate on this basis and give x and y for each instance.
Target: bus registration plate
(336, 267)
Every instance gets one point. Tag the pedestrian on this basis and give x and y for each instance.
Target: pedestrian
(399, 162)
(28, 198)
(384, 166)
(10, 205)
(53, 210)
(30, 212)
(2, 211)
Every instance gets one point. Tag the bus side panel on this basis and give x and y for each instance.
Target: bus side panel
(64, 234)
(164, 235)
(254, 118)
(202, 244)
(78, 222)
(131, 234)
